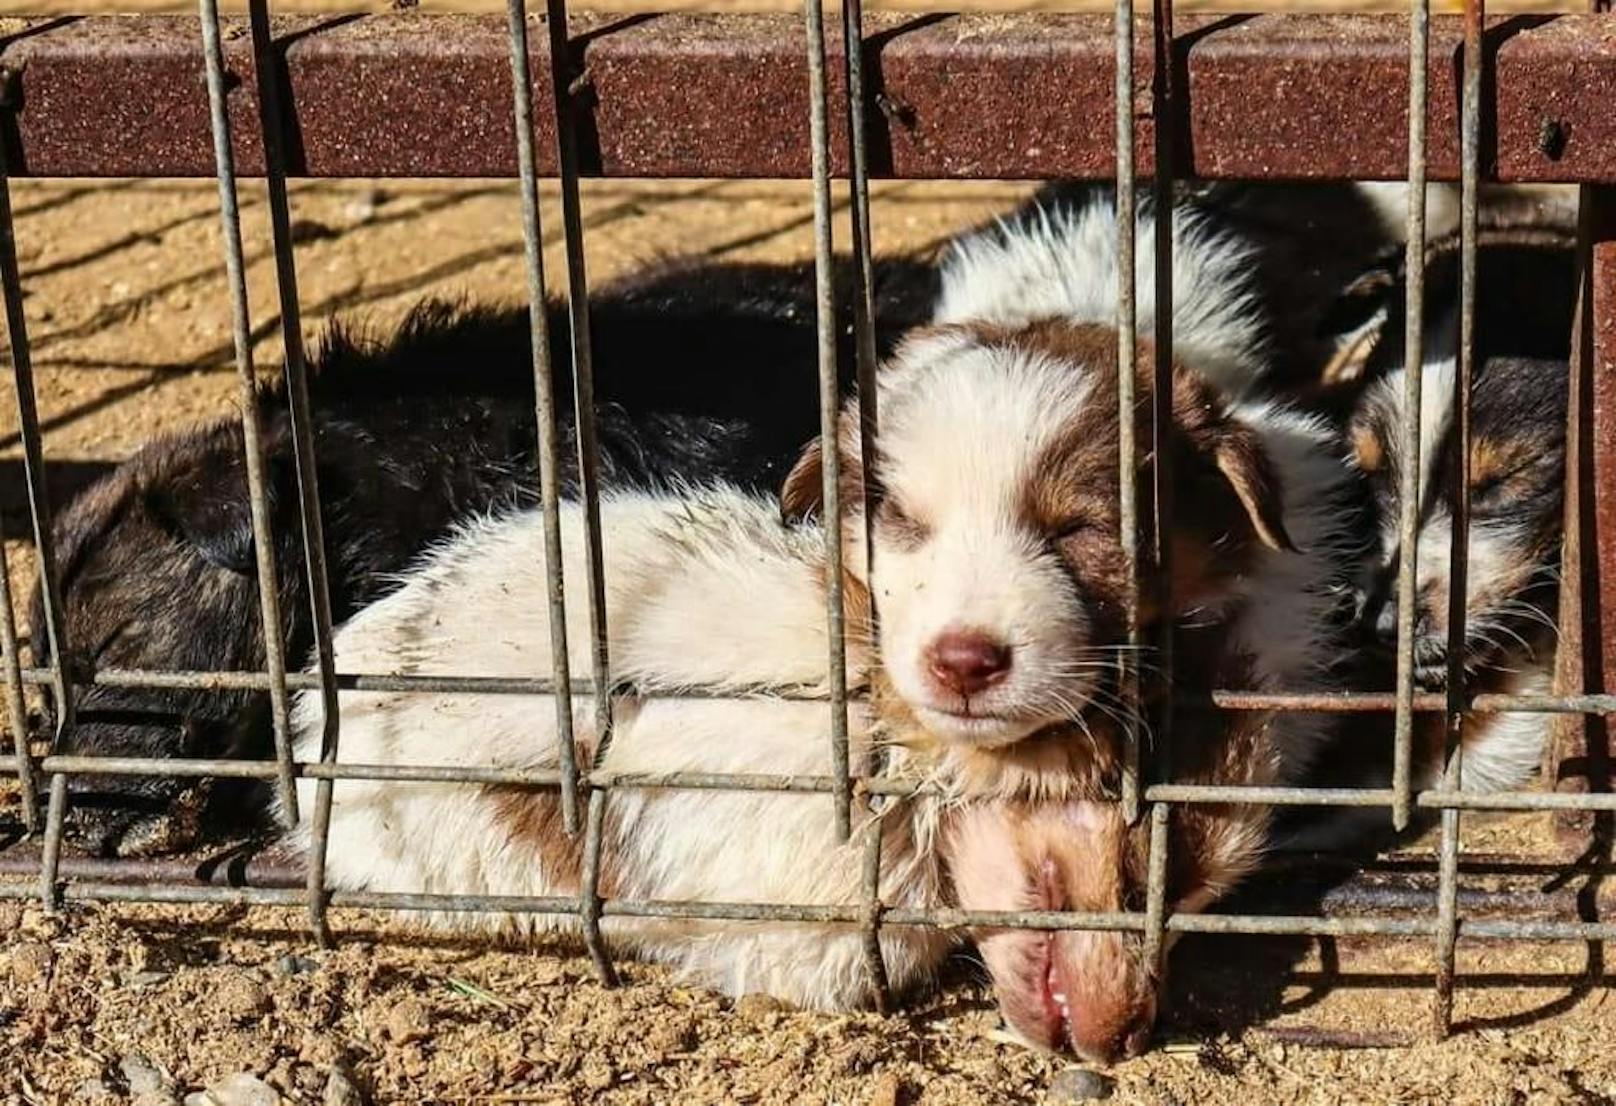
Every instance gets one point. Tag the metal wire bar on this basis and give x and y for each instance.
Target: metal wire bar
(1447, 927)
(1127, 446)
(272, 129)
(1413, 347)
(940, 917)
(544, 390)
(33, 455)
(16, 708)
(829, 414)
(51, 856)
(1165, 114)
(39, 514)
(874, 961)
(583, 382)
(1322, 702)
(1156, 888)
(870, 785)
(269, 604)
(589, 901)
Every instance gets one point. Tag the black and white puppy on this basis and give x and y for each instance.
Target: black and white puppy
(703, 371)
(1525, 298)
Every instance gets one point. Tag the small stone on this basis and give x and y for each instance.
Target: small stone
(142, 1076)
(1080, 1085)
(93, 1090)
(240, 1089)
(341, 1090)
(241, 998)
(31, 962)
(294, 965)
(362, 209)
(887, 1089)
(144, 979)
(757, 1006)
(407, 1022)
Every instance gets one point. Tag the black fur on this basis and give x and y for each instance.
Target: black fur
(702, 372)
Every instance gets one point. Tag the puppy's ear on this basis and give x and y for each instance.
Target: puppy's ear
(1237, 454)
(204, 502)
(802, 495)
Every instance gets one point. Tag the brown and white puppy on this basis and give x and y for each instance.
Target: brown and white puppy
(1525, 297)
(999, 571)
(1096, 991)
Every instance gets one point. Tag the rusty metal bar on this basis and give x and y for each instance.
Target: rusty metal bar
(1127, 416)
(1156, 908)
(1322, 702)
(874, 960)
(520, 81)
(1413, 345)
(272, 132)
(1164, 112)
(1581, 758)
(946, 918)
(16, 708)
(269, 606)
(51, 855)
(563, 104)
(1292, 96)
(39, 515)
(829, 412)
(1447, 927)
(39, 509)
(806, 783)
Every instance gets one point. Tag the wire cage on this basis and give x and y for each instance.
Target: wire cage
(1478, 96)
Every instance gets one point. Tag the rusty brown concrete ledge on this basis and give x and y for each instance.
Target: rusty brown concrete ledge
(985, 96)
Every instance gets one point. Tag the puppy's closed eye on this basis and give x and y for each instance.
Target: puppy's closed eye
(899, 525)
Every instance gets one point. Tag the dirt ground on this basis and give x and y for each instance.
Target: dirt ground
(127, 308)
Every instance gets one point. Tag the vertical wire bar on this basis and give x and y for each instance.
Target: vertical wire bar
(308, 486)
(863, 250)
(544, 393)
(39, 513)
(1165, 115)
(51, 854)
(874, 961)
(16, 705)
(1127, 446)
(864, 338)
(39, 509)
(1413, 346)
(1156, 889)
(829, 404)
(583, 378)
(269, 605)
(589, 888)
(1447, 928)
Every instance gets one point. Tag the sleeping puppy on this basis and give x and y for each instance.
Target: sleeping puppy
(674, 561)
(1525, 298)
(1000, 570)
(702, 372)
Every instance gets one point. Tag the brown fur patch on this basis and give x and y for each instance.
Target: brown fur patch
(533, 820)
(1367, 448)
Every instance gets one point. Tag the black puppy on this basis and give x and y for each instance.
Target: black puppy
(702, 372)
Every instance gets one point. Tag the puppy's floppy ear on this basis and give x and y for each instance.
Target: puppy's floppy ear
(1236, 452)
(205, 504)
(802, 495)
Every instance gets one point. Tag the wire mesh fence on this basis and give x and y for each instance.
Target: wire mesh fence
(841, 111)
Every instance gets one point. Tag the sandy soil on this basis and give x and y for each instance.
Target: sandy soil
(128, 311)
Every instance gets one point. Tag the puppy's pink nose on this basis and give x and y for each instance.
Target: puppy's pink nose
(968, 661)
